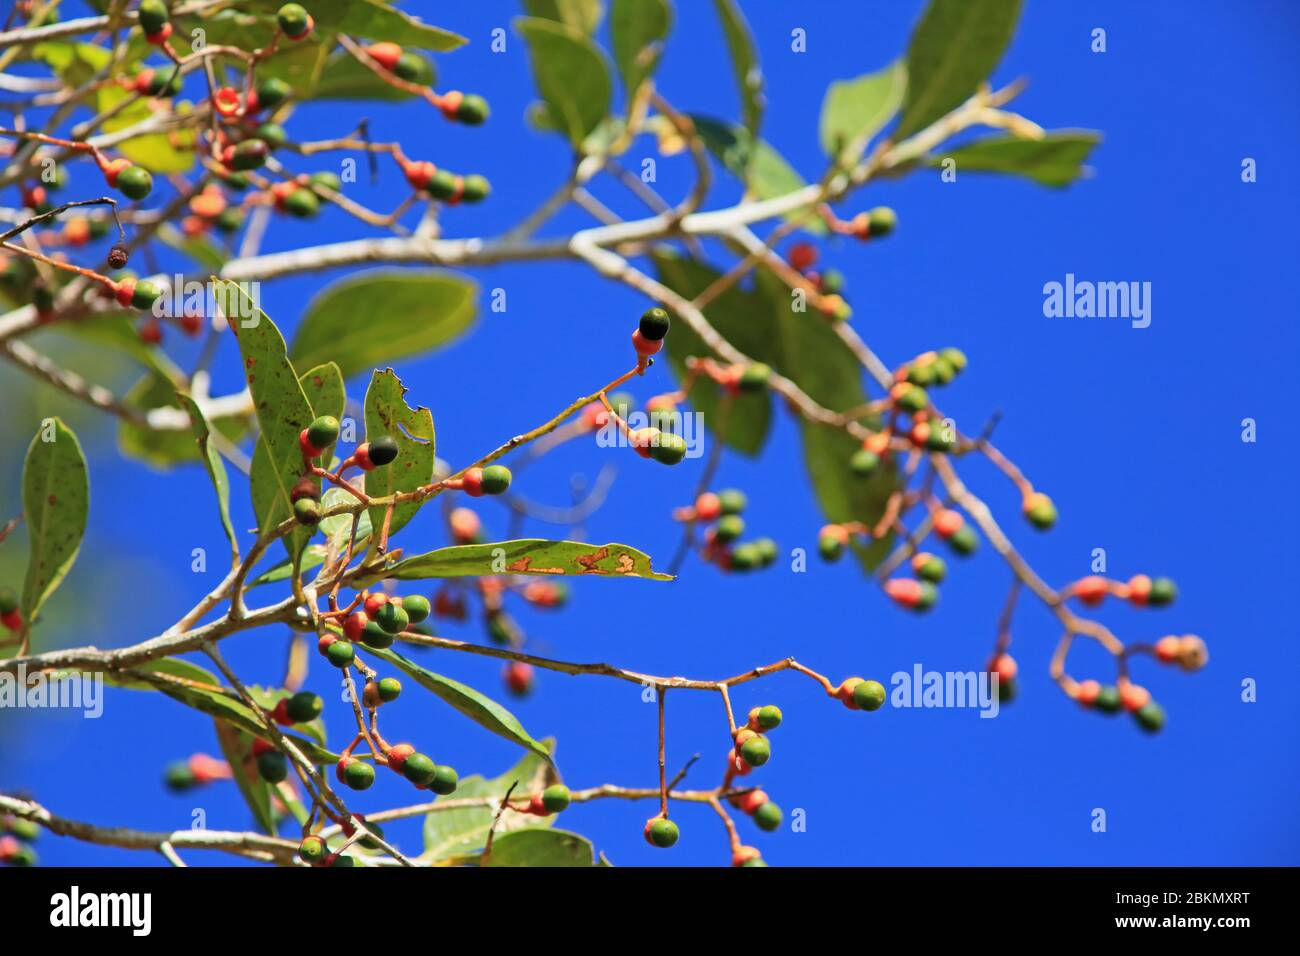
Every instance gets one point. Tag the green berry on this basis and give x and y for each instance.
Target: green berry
(230, 219)
(943, 371)
(304, 706)
(755, 751)
(442, 185)
(668, 449)
(250, 154)
(732, 501)
(755, 862)
(293, 19)
(445, 780)
(369, 843)
(473, 110)
(913, 399)
(302, 204)
(236, 181)
(323, 431)
(654, 324)
(1163, 591)
(863, 462)
(340, 653)
(272, 134)
(883, 220)
(832, 282)
(135, 182)
(419, 769)
(954, 357)
(23, 828)
(25, 856)
(312, 849)
(8, 600)
(376, 635)
(392, 617)
(178, 776)
(869, 695)
(921, 374)
(414, 69)
(153, 16)
(501, 628)
(1041, 512)
(1108, 699)
(932, 569)
(1007, 690)
(622, 402)
(964, 540)
(769, 717)
(940, 439)
(768, 816)
(145, 295)
(390, 688)
(307, 512)
(830, 547)
(326, 180)
(272, 91)
(496, 479)
(416, 607)
(272, 766)
(166, 82)
(1150, 718)
(730, 527)
(556, 798)
(767, 551)
(383, 450)
(358, 775)
(744, 557)
(755, 377)
(344, 862)
(475, 188)
(662, 833)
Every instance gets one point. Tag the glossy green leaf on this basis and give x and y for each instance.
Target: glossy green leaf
(527, 556)
(370, 19)
(216, 468)
(412, 428)
(744, 62)
(56, 501)
(1056, 160)
(953, 50)
(463, 830)
(853, 111)
(535, 847)
(281, 406)
(581, 15)
(381, 316)
(570, 73)
(637, 29)
(479, 708)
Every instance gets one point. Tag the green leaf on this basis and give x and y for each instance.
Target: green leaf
(215, 466)
(382, 316)
(237, 748)
(761, 168)
(161, 153)
(135, 679)
(581, 15)
(637, 29)
(388, 414)
(749, 418)
(344, 78)
(56, 500)
(527, 556)
(483, 710)
(744, 63)
(535, 847)
(165, 448)
(953, 50)
(1056, 160)
(855, 110)
(282, 410)
(372, 20)
(570, 73)
(324, 390)
(463, 830)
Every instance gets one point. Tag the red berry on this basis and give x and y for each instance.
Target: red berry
(802, 255)
(355, 626)
(1169, 649)
(1139, 589)
(472, 482)
(1087, 691)
(374, 602)
(161, 37)
(362, 456)
(947, 522)
(1134, 697)
(1092, 590)
(518, 677)
(1005, 667)
(397, 755)
(708, 507)
(385, 54)
(308, 449)
(644, 346)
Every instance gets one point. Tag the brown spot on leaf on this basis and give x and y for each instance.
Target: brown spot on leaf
(52, 500)
(521, 565)
(588, 561)
(625, 563)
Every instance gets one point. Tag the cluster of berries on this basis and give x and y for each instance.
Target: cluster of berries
(829, 283)
(552, 800)
(919, 593)
(199, 770)
(314, 851)
(1140, 591)
(858, 694)
(756, 804)
(375, 624)
(15, 842)
(750, 747)
(420, 769)
(722, 544)
(467, 108)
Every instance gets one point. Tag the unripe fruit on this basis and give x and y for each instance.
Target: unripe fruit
(396, 755)
(802, 256)
(707, 507)
(869, 695)
(382, 451)
(304, 706)
(766, 550)
(445, 780)
(385, 54)
(474, 188)
(8, 600)
(929, 567)
(661, 832)
(883, 221)
(909, 397)
(1134, 697)
(1108, 700)
(419, 769)
(444, 185)
(375, 635)
(943, 371)
(669, 449)
(178, 776)
(144, 295)
(392, 617)
(495, 479)
(864, 463)
(250, 154)
(312, 849)
(1163, 591)
(323, 431)
(732, 502)
(729, 528)
(389, 689)
(830, 282)
(911, 593)
(747, 856)
(295, 22)
(414, 69)
(134, 182)
(416, 607)
(556, 798)
(645, 347)
(340, 653)
(325, 180)
(1040, 511)
(832, 541)
(307, 512)
(947, 522)
(271, 92)
(754, 378)
(744, 557)
(768, 816)
(1151, 717)
(1092, 590)
(756, 751)
(355, 774)
(301, 203)
(272, 134)
(954, 357)
(153, 16)
(964, 540)
(654, 324)
(272, 766)
(1087, 692)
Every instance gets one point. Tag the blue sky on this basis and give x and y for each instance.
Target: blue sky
(1136, 434)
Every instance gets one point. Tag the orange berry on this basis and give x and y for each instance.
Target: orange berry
(1168, 649)
(947, 522)
(1087, 691)
(385, 54)
(1092, 589)
(1134, 697)
(1139, 589)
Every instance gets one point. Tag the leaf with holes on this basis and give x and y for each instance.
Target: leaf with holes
(527, 556)
(388, 414)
